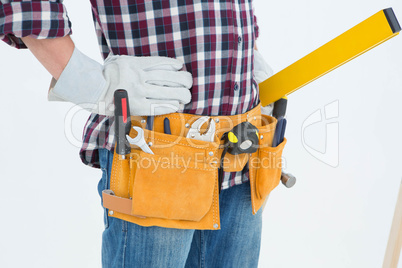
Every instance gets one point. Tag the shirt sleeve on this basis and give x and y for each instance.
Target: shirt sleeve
(38, 19)
(256, 28)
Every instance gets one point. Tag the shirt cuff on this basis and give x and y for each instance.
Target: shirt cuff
(81, 81)
(38, 19)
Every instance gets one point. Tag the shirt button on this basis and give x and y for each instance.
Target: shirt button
(239, 39)
(236, 86)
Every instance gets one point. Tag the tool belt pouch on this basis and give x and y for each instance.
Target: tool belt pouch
(176, 187)
(265, 165)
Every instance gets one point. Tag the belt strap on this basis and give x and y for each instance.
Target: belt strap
(180, 122)
(118, 204)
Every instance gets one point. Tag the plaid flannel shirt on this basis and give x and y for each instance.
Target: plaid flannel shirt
(215, 40)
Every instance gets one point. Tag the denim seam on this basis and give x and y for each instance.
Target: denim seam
(202, 256)
(125, 233)
(107, 178)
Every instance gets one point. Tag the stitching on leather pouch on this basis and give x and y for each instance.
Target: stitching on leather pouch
(268, 130)
(252, 188)
(242, 116)
(206, 169)
(129, 179)
(215, 201)
(179, 143)
(113, 179)
(118, 181)
(178, 118)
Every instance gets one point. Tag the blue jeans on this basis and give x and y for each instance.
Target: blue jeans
(236, 244)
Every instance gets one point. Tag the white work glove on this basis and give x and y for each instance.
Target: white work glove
(262, 71)
(154, 84)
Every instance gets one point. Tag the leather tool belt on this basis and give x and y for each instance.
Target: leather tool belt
(177, 186)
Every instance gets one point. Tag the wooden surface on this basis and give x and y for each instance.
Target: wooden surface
(395, 237)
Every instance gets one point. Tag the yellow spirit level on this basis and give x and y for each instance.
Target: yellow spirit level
(364, 36)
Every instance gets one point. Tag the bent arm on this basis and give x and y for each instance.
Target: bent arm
(43, 26)
(53, 54)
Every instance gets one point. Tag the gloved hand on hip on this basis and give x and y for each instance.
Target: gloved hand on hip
(262, 71)
(154, 84)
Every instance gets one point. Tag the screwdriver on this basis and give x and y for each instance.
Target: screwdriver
(122, 122)
(279, 113)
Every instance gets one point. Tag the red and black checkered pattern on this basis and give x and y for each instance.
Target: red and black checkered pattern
(214, 39)
(40, 19)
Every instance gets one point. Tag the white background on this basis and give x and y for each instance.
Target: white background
(333, 217)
